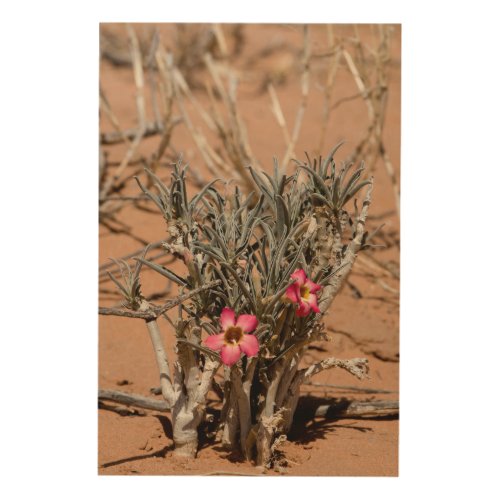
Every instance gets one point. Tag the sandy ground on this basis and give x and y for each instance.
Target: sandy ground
(366, 326)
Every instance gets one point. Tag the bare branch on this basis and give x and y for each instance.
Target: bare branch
(141, 112)
(306, 60)
(359, 409)
(118, 137)
(356, 366)
(167, 388)
(133, 400)
(350, 388)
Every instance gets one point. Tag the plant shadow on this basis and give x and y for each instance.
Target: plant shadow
(207, 438)
(307, 427)
(160, 453)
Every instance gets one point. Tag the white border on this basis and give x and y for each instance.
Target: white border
(449, 335)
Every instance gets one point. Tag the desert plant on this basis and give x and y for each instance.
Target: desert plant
(261, 272)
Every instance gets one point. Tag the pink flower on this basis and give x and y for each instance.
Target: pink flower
(234, 339)
(303, 292)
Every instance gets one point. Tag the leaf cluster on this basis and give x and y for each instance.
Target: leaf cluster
(252, 243)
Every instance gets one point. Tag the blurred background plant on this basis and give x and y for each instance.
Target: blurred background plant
(189, 82)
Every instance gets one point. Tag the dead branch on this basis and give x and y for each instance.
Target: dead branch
(304, 97)
(359, 409)
(133, 400)
(213, 161)
(376, 102)
(340, 409)
(352, 388)
(356, 366)
(278, 113)
(233, 136)
(167, 388)
(141, 112)
(104, 220)
(335, 54)
(118, 137)
(124, 411)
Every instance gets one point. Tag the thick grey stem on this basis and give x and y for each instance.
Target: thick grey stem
(272, 390)
(244, 412)
(242, 386)
(269, 421)
(332, 288)
(231, 422)
(265, 437)
(189, 409)
(287, 379)
(267, 429)
(167, 389)
(290, 402)
(185, 426)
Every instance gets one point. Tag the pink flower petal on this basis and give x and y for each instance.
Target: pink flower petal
(230, 354)
(313, 287)
(227, 318)
(293, 292)
(247, 322)
(300, 276)
(313, 302)
(214, 342)
(303, 309)
(249, 345)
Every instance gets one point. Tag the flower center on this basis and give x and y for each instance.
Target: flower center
(304, 292)
(233, 335)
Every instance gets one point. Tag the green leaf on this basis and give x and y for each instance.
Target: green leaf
(241, 285)
(273, 183)
(294, 261)
(155, 199)
(355, 189)
(200, 195)
(122, 289)
(200, 348)
(215, 237)
(164, 272)
(210, 251)
(318, 181)
(261, 185)
(282, 216)
(350, 184)
(276, 297)
(322, 200)
(328, 160)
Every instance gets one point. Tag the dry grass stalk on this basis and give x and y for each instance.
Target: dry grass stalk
(376, 101)
(305, 77)
(335, 55)
(141, 112)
